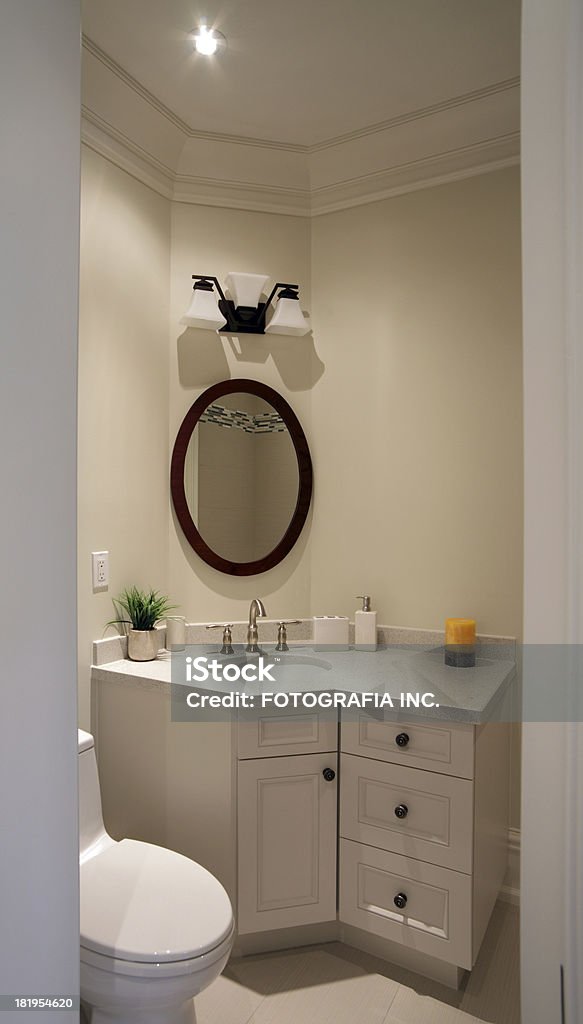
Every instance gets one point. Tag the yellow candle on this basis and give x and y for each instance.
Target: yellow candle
(460, 632)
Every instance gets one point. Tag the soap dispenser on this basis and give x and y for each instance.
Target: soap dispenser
(365, 626)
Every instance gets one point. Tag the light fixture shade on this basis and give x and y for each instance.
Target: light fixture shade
(246, 289)
(288, 318)
(203, 311)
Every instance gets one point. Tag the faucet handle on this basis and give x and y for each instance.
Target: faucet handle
(226, 627)
(282, 632)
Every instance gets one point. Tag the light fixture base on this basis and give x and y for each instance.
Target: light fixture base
(242, 319)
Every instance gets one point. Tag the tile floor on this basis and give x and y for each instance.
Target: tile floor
(334, 984)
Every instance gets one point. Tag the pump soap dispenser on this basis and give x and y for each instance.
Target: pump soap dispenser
(365, 626)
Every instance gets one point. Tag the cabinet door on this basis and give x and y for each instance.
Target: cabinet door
(287, 842)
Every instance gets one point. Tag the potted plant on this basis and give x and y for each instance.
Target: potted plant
(141, 610)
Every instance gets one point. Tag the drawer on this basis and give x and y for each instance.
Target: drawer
(438, 811)
(437, 915)
(278, 733)
(439, 747)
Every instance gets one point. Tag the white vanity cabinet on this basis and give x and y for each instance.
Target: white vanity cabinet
(393, 839)
(287, 821)
(423, 832)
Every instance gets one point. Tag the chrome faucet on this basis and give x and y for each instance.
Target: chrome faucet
(255, 608)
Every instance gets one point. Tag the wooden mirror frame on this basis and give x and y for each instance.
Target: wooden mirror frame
(305, 474)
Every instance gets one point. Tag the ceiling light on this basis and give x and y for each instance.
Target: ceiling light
(208, 41)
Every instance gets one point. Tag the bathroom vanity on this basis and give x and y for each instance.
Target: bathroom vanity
(385, 829)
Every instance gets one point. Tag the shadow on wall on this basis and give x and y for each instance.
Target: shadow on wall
(202, 358)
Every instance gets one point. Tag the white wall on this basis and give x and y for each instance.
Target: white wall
(39, 214)
(123, 393)
(552, 830)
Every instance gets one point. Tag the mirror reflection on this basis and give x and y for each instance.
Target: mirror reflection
(241, 477)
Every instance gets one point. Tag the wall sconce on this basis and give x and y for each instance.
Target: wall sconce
(245, 313)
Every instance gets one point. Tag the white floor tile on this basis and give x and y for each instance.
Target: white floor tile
(327, 990)
(334, 984)
(409, 1007)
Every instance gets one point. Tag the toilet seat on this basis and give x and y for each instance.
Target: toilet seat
(144, 909)
(171, 969)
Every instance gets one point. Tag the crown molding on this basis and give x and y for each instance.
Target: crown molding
(132, 83)
(116, 147)
(131, 128)
(427, 172)
(112, 144)
(291, 147)
(456, 165)
(508, 85)
(191, 133)
(242, 195)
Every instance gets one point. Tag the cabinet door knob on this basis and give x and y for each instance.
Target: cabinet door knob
(402, 739)
(329, 774)
(400, 901)
(401, 810)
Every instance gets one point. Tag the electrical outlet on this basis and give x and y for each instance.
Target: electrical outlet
(100, 569)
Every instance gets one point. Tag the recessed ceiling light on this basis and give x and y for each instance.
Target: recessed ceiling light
(208, 41)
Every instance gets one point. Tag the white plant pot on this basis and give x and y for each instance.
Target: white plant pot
(143, 644)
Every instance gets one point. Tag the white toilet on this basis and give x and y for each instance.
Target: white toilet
(156, 928)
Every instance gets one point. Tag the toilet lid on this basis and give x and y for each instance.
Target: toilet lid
(143, 903)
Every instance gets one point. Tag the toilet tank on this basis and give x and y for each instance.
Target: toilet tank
(91, 827)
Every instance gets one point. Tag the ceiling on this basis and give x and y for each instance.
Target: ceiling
(305, 72)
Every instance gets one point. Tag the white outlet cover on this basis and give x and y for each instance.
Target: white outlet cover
(100, 569)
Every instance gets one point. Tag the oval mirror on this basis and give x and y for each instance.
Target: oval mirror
(241, 477)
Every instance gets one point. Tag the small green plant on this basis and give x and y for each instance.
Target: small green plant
(140, 609)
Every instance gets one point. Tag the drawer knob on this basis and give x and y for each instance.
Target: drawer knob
(329, 774)
(402, 739)
(400, 901)
(401, 811)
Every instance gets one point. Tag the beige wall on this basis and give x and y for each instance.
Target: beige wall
(409, 391)
(215, 241)
(416, 426)
(416, 422)
(123, 393)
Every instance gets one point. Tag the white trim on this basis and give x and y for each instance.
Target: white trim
(127, 124)
(119, 150)
(552, 770)
(510, 894)
(416, 115)
(573, 305)
(418, 174)
(241, 195)
(510, 891)
(161, 108)
(505, 85)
